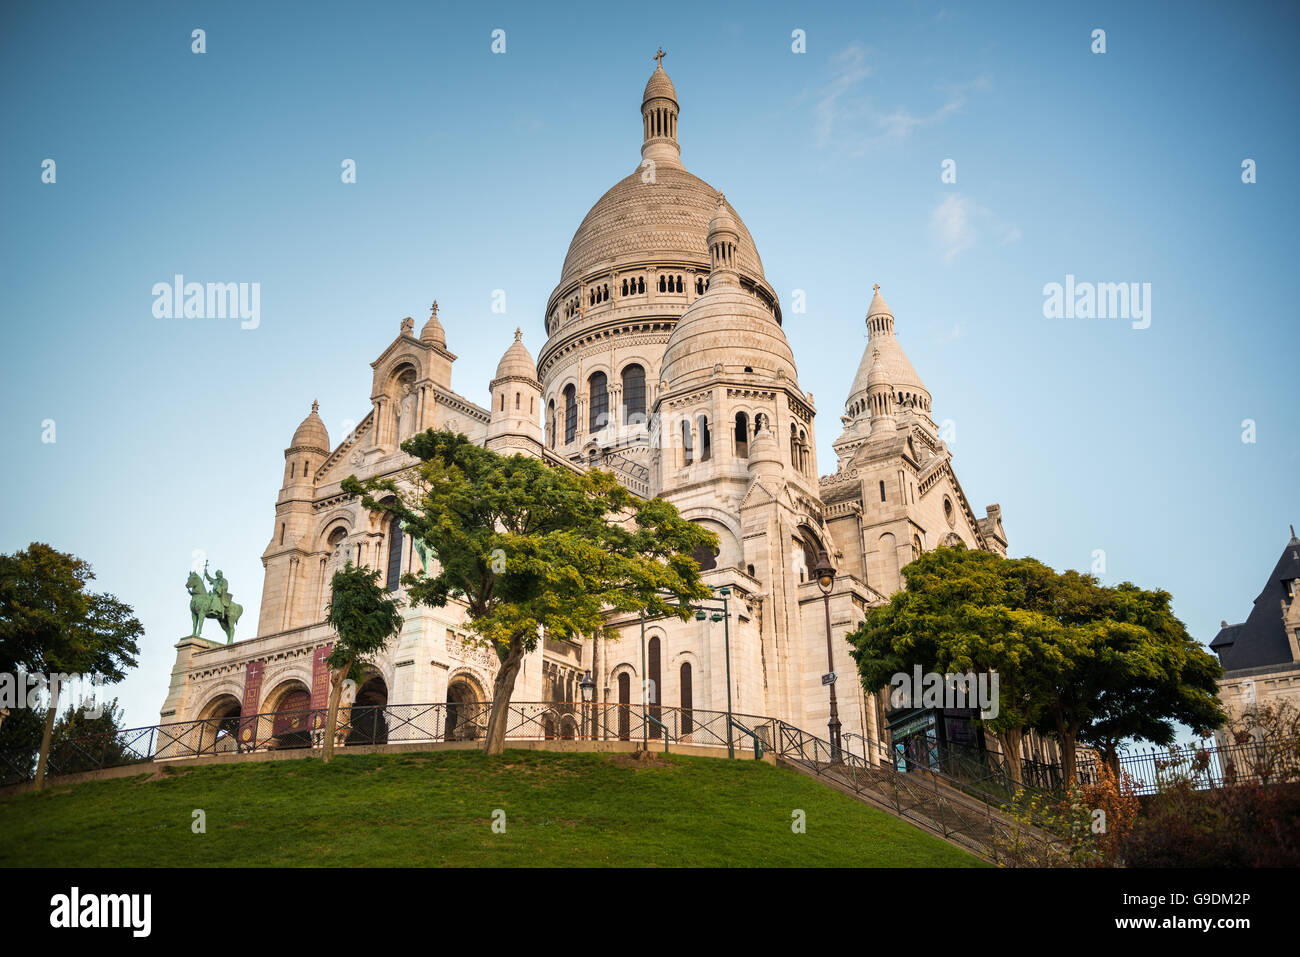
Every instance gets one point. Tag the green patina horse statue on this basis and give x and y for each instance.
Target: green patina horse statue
(214, 604)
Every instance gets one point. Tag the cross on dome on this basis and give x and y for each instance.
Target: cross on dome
(433, 310)
(315, 406)
(659, 58)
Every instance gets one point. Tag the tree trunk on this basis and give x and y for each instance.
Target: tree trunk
(1069, 737)
(331, 719)
(47, 734)
(495, 741)
(1010, 741)
(1110, 758)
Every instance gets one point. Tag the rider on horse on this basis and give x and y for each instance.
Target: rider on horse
(220, 588)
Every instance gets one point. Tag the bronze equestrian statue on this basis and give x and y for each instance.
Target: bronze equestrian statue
(214, 604)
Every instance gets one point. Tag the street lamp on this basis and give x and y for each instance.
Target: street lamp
(825, 575)
(588, 689)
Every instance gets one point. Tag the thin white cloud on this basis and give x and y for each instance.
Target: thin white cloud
(958, 223)
(847, 117)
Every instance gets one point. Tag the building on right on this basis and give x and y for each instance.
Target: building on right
(1261, 656)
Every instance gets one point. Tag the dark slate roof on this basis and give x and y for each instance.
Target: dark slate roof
(1261, 639)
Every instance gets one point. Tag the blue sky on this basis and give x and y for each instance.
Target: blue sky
(474, 169)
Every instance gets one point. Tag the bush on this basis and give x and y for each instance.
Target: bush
(1247, 825)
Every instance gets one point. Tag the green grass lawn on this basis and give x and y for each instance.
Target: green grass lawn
(437, 809)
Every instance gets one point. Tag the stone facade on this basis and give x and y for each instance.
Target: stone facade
(665, 362)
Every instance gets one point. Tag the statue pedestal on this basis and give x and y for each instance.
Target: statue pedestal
(186, 648)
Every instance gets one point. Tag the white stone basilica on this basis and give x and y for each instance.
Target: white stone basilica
(665, 362)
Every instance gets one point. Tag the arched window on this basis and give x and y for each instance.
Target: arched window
(688, 719)
(625, 287)
(624, 706)
(640, 284)
(699, 286)
(633, 395)
(550, 422)
(705, 557)
(570, 413)
(663, 284)
(395, 537)
(652, 692)
(516, 400)
(706, 446)
(882, 491)
(679, 283)
(742, 435)
(597, 402)
(687, 456)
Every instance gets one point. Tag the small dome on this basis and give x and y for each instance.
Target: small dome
(312, 434)
(659, 86)
(723, 221)
(433, 334)
(726, 327)
(517, 361)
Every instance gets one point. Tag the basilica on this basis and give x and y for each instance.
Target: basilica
(664, 362)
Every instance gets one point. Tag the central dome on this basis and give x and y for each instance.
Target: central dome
(667, 220)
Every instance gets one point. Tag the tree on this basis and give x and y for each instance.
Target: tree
(365, 618)
(1165, 676)
(1074, 658)
(964, 611)
(81, 742)
(51, 625)
(532, 549)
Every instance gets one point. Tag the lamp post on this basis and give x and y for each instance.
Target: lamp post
(588, 689)
(724, 615)
(825, 575)
(703, 612)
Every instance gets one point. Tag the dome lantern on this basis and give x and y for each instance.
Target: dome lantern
(723, 239)
(659, 117)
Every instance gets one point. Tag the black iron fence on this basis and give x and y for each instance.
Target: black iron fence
(392, 724)
(1202, 766)
(979, 773)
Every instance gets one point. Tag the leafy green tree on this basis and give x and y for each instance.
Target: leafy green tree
(533, 549)
(81, 742)
(964, 611)
(51, 625)
(1074, 659)
(365, 618)
(1168, 677)
(20, 743)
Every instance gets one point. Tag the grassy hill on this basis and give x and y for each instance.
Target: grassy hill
(436, 809)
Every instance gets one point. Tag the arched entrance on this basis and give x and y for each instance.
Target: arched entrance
(369, 724)
(464, 710)
(291, 723)
(218, 732)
